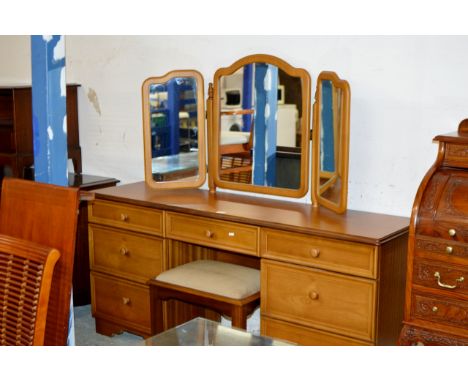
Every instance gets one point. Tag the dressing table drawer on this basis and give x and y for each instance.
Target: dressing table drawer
(124, 303)
(334, 255)
(215, 233)
(130, 255)
(322, 300)
(302, 335)
(120, 215)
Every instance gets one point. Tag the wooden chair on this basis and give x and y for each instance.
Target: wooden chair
(236, 156)
(26, 270)
(46, 215)
(228, 289)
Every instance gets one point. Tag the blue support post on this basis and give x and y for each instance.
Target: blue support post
(265, 131)
(49, 111)
(247, 96)
(173, 106)
(327, 138)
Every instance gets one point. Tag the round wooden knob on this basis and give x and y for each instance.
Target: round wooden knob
(452, 232)
(208, 233)
(449, 250)
(125, 300)
(313, 295)
(124, 251)
(314, 252)
(124, 217)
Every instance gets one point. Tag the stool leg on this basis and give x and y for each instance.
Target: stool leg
(239, 317)
(156, 307)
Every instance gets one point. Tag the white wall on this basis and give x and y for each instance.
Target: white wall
(404, 91)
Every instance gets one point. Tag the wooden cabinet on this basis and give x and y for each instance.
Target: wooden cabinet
(436, 308)
(16, 132)
(126, 249)
(326, 279)
(349, 289)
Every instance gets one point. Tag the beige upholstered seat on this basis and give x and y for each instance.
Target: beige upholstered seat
(216, 277)
(229, 289)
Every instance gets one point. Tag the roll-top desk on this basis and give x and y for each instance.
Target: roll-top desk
(326, 279)
(437, 283)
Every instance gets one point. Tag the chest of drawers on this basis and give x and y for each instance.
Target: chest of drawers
(436, 311)
(326, 279)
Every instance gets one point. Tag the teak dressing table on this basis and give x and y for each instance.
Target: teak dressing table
(326, 279)
(328, 276)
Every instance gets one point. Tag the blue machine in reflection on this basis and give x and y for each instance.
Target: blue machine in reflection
(173, 108)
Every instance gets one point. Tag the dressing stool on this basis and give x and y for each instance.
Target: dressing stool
(228, 289)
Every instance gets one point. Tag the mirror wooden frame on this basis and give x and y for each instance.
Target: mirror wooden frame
(192, 182)
(343, 162)
(215, 122)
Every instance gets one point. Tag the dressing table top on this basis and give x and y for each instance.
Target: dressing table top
(363, 227)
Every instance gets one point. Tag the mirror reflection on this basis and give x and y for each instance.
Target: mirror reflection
(174, 129)
(330, 141)
(260, 127)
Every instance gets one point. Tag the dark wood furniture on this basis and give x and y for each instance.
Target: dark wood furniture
(26, 270)
(16, 132)
(436, 308)
(326, 279)
(81, 281)
(47, 215)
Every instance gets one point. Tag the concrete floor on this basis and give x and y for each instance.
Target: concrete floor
(85, 330)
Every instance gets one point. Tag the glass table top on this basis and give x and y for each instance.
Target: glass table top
(203, 332)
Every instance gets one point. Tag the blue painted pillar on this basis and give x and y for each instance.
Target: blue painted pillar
(173, 107)
(49, 109)
(327, 138)
(247, 96)
(265, 130)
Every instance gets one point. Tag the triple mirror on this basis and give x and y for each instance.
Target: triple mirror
(258, 114)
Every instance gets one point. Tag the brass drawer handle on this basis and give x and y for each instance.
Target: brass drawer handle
(314, 252)
(313, 295)
(124, 251)
(435, 309)
(441, 284)
(452, 232)
(231, 234)
(449, 250)
(208, 233)
(124, 217)
(125, 301)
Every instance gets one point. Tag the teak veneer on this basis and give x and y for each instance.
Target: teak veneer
(326, 279)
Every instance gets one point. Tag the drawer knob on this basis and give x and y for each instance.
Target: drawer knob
(313, 295)
(231, 234)
(449, 250)
(124, 251)
(435, 309)
(447, 286)
(124, 217)
(208, 233)
(452, 232)
(314, 252)
(125, 301)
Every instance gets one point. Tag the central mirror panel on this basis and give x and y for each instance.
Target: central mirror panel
(173, 121)
(261, 111)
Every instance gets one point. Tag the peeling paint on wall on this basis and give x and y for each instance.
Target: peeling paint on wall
(93, 98)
